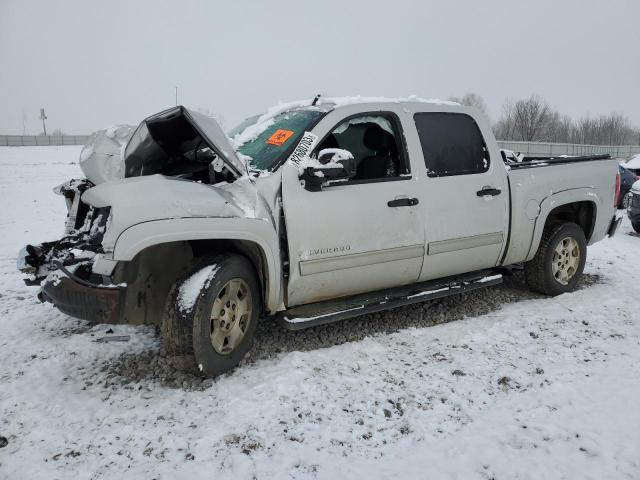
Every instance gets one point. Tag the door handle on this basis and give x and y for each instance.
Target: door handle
(488, 191)
(403, 202)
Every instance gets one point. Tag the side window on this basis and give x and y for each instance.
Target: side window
(373, 140)
(452, 144)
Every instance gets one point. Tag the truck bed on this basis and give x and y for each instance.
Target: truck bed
(532, 183)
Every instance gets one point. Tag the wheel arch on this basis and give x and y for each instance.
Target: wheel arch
(254, 238)
(579, 206)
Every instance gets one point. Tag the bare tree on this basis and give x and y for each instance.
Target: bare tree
(566, 127)
(472, 100)
(551, 128)
(612, 129)
(530, 118)
(527, 120)
(504, 128)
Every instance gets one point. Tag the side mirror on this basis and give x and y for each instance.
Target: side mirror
(332, 165)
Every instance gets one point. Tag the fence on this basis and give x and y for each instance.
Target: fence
(549, 149)
(528, 148)
(41, 140)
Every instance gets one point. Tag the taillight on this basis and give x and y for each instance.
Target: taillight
(616, 200)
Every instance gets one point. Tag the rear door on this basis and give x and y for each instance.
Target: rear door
(466, 216)
(358, 236)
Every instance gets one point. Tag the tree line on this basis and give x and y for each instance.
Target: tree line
(534, 120)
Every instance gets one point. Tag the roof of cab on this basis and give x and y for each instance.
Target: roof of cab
(330, 103)
(344, 101)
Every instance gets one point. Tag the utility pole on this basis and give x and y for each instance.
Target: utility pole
(176, 87)
(43, 117)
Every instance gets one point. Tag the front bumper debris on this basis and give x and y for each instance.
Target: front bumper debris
(67, 281)
(81, 299)
(64, 268)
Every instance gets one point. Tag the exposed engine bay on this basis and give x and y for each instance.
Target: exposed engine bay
(171, 144)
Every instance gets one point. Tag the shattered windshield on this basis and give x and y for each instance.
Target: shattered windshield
(266, 141)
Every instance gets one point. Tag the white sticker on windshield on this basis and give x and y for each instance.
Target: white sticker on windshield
(303, 149)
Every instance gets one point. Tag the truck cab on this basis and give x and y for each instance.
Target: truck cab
(404, 216)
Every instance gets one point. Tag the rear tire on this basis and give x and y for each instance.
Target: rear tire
(636, 227)
(211, 314)
(559, 261)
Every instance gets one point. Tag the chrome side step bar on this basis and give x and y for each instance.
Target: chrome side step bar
(305, 316)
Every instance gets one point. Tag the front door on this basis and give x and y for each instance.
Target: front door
(361, 235)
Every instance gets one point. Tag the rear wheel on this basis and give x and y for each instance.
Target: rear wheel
(636, 227)
(211, 315)
(559, 261)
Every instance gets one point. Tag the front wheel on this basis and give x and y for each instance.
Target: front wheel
(559, 261)
(211, 315)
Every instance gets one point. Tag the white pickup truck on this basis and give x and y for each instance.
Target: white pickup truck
(312, 212)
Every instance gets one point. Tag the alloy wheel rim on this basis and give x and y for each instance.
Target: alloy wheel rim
(230, 316)
(565, 261)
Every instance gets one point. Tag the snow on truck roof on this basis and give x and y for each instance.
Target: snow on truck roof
(341, 101)
(344, 101)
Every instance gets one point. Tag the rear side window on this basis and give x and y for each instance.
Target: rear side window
(452, 144)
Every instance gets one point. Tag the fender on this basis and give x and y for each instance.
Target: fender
(555, 200)
(259, 231)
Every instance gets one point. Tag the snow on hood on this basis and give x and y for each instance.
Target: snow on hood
(101, 159)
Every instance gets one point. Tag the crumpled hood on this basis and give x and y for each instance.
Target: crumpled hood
(101, 157)
(104, 157)
(156, 197)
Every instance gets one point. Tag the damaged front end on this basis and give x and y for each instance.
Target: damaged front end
(176, 164)
(63, 268)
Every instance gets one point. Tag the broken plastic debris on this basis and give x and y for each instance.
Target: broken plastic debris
(114, 338)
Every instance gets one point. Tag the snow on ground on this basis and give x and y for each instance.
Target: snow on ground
(541, 388)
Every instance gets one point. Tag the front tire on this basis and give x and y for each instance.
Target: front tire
(211, 315)
(559, 261)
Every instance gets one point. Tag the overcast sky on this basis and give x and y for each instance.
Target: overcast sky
(96, 63)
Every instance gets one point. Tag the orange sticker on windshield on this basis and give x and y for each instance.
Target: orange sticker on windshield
(279, 137)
